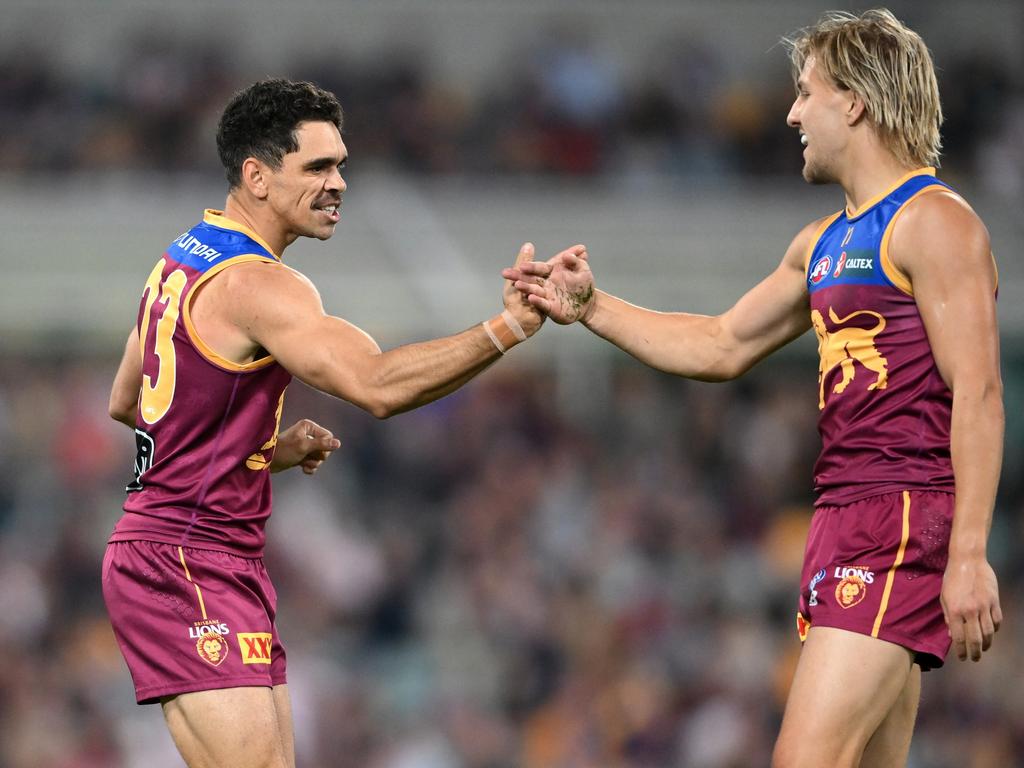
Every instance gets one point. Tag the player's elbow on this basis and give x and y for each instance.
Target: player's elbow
(365, 383)
(380, 409)
(122, 412)
(375, 401)
(982, 392)
(122, 406)
(725, 357)
(724, 368)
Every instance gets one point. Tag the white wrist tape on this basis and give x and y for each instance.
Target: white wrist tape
(504, 331)
(490, 334)
(514, 325)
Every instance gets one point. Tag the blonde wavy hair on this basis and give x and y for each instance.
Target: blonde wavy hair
(888, 65)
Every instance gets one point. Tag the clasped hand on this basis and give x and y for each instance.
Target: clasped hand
(561, 287)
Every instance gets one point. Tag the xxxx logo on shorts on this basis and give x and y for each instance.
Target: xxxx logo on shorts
(802, 625)
(255, 647)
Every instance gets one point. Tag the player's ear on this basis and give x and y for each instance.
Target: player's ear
(254, 177)
(855, 108)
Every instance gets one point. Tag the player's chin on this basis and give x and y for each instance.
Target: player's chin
(816, 173)
(323, 231)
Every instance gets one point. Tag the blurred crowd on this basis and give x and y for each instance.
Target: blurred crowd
(563, 107)
(520, 575)
(494, 581)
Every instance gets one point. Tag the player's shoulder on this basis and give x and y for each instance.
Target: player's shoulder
(800, 248)
(254, 288)
(260, 275)
(940, 219)
(938, 229)
(939, 209)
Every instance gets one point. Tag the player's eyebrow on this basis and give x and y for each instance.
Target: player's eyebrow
(323, 162)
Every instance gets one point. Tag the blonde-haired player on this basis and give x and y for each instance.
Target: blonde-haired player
(901, 278)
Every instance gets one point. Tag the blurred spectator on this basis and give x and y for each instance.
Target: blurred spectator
(562, 106)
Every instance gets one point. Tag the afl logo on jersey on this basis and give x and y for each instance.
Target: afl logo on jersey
(821, 269)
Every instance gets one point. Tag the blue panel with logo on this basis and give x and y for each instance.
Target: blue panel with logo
(849, 250)
(205, 245)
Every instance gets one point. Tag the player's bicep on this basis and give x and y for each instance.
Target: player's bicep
(959, 316)
(124, 393)
(773, 312)
(944, 249)
(283, 313)
(329, 354)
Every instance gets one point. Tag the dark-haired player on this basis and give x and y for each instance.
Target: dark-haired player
(222, 328)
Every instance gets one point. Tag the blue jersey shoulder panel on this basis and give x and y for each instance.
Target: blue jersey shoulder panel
(849, 250)
(206, 245)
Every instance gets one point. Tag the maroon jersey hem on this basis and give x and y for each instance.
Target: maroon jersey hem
(847, 494)
(183, 541)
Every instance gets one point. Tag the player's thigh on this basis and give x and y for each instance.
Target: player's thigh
(227, 728)
(889, 747)
(283, 708)
(844, 687)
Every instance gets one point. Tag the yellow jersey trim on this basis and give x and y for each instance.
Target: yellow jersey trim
(205, 349)
(218, 219)
(905, 537)
(897, 276)
(895, 185)
(817, 236)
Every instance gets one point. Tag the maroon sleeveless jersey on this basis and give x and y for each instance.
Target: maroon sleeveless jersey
(206, 427)
(885, 410)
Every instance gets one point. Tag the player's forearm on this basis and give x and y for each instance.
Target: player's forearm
(976, 444)
(674, 342)
(416, 374)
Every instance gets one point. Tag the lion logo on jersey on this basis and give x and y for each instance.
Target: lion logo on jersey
(843, 346)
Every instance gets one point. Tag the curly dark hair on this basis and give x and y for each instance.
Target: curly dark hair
(260, 121)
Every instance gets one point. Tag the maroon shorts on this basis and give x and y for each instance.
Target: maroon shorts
(875, 567)
(191, 619)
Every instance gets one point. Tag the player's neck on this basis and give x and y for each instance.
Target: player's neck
(260, 219)
(870, 175)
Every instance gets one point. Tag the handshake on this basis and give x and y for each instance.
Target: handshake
(561, 288)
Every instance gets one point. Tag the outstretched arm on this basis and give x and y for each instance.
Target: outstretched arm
(124, 394)
(943, 247)
(278, 309)
(709, 348)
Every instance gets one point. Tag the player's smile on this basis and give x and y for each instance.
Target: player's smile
(330, 208)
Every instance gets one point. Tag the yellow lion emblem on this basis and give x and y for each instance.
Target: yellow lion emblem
(845, 345)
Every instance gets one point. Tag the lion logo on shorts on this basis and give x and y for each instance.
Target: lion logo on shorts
(850, 591)
(843, 346)
(212, 649)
